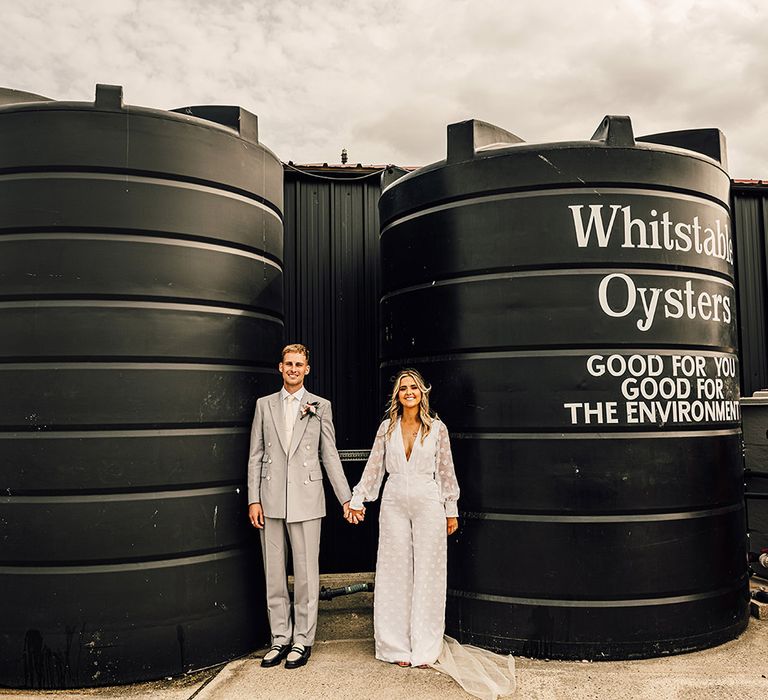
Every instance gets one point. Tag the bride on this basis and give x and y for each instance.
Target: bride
(419, 508)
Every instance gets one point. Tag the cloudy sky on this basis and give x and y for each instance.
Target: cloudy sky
(383, 79)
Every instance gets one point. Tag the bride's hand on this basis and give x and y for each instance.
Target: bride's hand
(355, 516)
(452, 524)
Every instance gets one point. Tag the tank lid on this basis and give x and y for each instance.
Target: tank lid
(482, 158)
(109, 98)
(473, 138)
(9, 96)
(708, 142)
(474, 141)
(466, 138)
(615, 130)
(241, 120)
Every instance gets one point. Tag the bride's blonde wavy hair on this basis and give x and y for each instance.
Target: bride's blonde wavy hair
(395, 408)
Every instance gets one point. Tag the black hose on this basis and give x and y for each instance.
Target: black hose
(751, 473)
(331, 593)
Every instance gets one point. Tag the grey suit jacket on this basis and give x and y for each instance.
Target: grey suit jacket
(287, 479)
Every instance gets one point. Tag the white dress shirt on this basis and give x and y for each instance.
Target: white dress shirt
(299, 396)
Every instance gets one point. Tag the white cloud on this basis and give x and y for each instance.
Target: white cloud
(384, 79)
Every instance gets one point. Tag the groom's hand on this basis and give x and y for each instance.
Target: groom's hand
(353, 516)
(356, 516)
(256, 515)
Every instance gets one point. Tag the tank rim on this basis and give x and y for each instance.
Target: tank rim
(25, 95)
(76, 106)
(510, 150)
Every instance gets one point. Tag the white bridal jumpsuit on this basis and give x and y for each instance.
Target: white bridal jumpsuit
(420, 493)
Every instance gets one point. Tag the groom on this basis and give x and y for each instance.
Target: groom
(292, 431)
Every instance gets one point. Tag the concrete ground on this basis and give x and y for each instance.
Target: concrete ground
(342, 665)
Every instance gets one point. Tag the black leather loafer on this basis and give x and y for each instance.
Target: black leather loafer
(304, 652)
(282, 651)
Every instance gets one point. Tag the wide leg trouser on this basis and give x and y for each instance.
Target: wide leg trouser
(409, 598)
(305, 545)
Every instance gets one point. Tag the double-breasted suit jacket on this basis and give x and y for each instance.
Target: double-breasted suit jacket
(287, 479)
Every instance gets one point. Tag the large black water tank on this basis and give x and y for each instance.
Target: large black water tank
(573, 306)
(140, 317)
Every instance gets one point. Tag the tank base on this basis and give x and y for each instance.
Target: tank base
(598, 634)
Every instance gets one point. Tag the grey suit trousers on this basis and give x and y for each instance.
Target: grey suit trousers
(304, 537)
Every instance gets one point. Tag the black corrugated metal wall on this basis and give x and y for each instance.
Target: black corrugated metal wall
(331, 305)
(750, 222)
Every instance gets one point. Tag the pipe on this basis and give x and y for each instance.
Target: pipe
(752, 473)
(331, 593)
(761, 558)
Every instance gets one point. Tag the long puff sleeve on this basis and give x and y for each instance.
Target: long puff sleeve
(445, 475)
(373, 474)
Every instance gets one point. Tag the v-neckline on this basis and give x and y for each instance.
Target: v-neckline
(402, 441)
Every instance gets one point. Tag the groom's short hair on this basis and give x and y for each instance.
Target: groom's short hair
(295, 347)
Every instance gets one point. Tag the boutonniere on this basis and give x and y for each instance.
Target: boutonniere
(309, 409)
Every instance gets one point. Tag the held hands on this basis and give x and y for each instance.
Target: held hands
(352, 516)
(452, 524)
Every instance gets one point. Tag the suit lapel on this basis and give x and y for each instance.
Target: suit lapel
(300, 426)
(276, 409)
